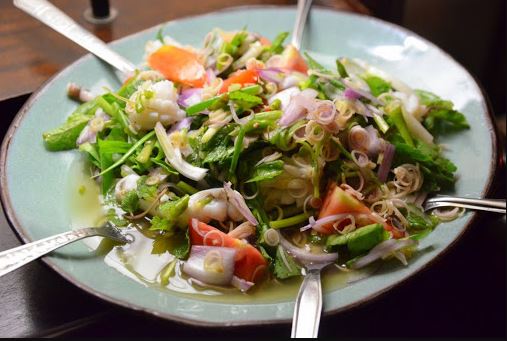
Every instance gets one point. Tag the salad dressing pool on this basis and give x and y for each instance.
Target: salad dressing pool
(136, 261)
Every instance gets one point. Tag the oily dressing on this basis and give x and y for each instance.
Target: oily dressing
(137, 262)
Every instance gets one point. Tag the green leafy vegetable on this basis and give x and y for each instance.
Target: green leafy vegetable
(441, 121)
(65, 136)
(127, 153)
(171, 210)
(267, 171)
(438, 171)
(130, 202)
(281, 270)
(377, 85)
(341, 69)
(144, 191)
(277, 45)
(160, 224)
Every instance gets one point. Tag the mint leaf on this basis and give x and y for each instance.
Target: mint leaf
(267, 171)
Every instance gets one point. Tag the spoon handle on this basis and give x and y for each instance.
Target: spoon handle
(14, 258)
(302, 12)
(306, 319)
(60, 22)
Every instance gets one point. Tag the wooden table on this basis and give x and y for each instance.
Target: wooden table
(32, 52)
(463, 294)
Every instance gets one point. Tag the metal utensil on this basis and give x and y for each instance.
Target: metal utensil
(303, 9)
(48, 14)
(14, 258)
(308, 308)
(490, 205)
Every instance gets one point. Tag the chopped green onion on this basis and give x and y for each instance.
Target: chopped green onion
(186, 188)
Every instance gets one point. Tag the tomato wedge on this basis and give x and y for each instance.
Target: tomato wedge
(338, 201)
(291, 59)
(178, 65)
(250, 265)
(241, 77)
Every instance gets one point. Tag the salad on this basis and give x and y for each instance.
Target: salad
(245, 157)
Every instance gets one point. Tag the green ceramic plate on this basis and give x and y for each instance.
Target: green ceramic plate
(35, 183)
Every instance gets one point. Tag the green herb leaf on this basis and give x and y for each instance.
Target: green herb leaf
(171, 210)
(377, 85)
(130, 202)
(267, 171)
(144, 191)
(159, 224)
(442, 121)
(438, 171)
(65, 136)
(277, 45)
(281, 270)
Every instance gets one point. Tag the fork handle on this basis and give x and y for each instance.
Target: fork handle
(497, 203)
(14, 258)
(308, 308)
(436, 204)
(60, 22)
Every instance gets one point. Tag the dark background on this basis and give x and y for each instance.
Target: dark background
(462, 295)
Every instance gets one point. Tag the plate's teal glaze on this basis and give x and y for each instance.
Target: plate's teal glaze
(35, 181)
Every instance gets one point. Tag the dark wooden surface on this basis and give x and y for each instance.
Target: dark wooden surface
(32, 52)
(462, 295)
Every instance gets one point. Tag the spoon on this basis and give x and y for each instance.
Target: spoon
(308, 307)
(14, 258)
(48, 14)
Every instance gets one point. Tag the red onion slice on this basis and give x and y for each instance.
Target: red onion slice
(298, 106)
(183, 124)
(361, 92)
(272, 74)
(190, 97)
(351, 94)
(211, 265)
(285, 96)
(306, 257)
(385, 166)
(241, 284)
(237, 200)
(383, 249)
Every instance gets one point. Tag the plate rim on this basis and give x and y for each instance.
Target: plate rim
(22, 234)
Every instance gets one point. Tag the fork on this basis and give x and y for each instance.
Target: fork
(491, 205)
(16, 257)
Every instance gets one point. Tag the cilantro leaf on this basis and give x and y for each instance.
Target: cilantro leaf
(130, 202)
(144, 191)
(160, 224)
